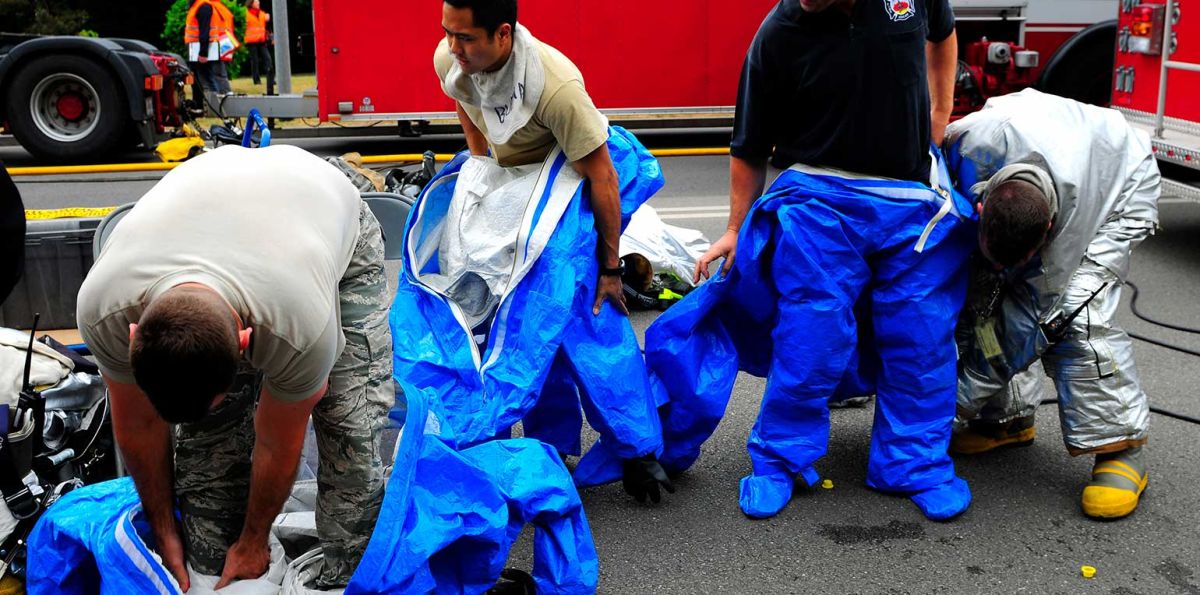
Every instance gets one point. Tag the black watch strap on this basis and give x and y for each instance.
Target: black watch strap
(617, 271)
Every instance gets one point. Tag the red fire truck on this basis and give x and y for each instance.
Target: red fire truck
(1156, 81)
(647, 64)
(677, 62)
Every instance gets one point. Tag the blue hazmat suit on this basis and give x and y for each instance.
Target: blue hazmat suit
(818, 247)
(495, 316)
(447, 523)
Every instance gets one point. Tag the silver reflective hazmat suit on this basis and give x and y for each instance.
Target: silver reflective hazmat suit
(1107, 184)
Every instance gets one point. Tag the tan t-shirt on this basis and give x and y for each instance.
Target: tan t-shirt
(564, 115)
(272, 230)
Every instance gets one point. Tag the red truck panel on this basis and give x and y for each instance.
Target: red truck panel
(378, 54)
(1183, 87)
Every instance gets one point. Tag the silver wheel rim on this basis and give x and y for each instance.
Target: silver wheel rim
(43, 104)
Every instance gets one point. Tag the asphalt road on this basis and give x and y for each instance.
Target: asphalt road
(1024, 532)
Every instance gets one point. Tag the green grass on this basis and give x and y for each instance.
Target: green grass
(300, 82)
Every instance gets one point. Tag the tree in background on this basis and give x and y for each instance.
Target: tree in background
(44, 17)
(172, 33)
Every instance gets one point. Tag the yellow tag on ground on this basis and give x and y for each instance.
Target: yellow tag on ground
(985, 333)
(827, 484)
(1087, 571)
(68, 213)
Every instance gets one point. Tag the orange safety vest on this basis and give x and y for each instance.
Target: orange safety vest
(256, 26)
(222, 22)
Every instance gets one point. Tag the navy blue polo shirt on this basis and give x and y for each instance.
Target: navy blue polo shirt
(838, 90)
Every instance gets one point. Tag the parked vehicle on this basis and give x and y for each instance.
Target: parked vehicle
(80, 98)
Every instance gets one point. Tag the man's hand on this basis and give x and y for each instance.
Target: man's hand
(170, 547)
(610, 287)
(245, 560)
(202, 59)
(725, 246)
(643, 476)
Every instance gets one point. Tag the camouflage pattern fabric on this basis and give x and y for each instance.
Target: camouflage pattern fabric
(212, 456)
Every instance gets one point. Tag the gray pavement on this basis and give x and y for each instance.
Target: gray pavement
(1024, 532)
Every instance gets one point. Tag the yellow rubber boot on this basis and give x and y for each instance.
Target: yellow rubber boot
(1118, 480)
(982, 436)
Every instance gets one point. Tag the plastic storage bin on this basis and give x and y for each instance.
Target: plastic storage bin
(58, 255)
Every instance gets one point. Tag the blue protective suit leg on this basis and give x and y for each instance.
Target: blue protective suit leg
(859, 379)
(556, 418)
(614, 386)
(819, 270)
(913, 295)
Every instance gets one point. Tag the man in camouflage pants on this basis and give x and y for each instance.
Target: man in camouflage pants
(243, 293)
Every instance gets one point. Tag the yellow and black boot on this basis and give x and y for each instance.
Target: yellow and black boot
(980, 436)
(1118, 480)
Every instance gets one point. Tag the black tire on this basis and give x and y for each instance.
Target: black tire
(1082, 69)
(93, 122)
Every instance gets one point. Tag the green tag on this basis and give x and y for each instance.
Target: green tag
(985, 333)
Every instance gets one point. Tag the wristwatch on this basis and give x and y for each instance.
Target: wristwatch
(617, 271)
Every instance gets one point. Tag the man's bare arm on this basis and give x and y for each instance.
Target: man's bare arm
(746, 181)
(145, 442)
(942, 63)
(597, 167)
(476, 141)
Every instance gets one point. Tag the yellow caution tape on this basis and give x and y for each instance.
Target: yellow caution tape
(1087, 571)
(68, 213)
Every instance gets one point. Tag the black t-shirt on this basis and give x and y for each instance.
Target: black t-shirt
(850, 92)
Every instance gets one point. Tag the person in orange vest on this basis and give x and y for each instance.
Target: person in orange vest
(208, 35)
(258, 41)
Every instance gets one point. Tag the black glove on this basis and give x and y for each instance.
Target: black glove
(643, 476)
(513, 582)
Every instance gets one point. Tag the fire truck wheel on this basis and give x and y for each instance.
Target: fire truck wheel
(1082, 69)
(66, 107)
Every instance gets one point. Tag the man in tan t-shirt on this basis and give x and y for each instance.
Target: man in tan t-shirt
(520, 98)
(242, 293)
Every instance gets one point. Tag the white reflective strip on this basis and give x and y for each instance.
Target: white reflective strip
(135, 555)
(835, 172)
(715, 214)
(935, 171)
(563, 188)
(942, 212)
(414, 234)
(1038, 29)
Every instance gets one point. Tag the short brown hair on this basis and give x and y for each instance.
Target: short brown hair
(185, 353)
(1014, 222)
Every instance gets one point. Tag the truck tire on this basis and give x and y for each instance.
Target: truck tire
(67, 108)
(1082, 69)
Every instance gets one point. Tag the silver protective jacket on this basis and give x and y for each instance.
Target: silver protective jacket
(1107, 184)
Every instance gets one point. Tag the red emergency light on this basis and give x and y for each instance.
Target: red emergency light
(1146, 30)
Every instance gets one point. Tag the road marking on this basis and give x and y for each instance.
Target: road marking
(692, 209)
(712, 214)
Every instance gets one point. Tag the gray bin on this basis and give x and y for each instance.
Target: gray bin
(58, 255)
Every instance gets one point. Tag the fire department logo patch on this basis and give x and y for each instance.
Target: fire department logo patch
(900, 10)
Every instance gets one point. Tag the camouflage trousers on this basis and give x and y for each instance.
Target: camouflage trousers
(212, 456)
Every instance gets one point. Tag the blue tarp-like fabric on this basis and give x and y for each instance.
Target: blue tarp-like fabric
(815, 250)
(450, 517)
(91, 541)
(448, 521)
(547, 355)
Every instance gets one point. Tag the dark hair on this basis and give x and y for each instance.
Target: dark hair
(489, 14)
(184, 354)
(1014, 221)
